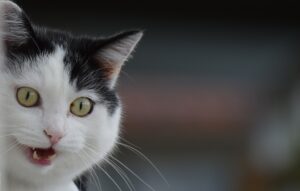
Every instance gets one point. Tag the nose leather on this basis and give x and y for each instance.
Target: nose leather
(54, 136)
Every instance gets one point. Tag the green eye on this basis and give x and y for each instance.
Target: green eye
(81, 107)
(27, 97)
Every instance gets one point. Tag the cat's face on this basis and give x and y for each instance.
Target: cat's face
(61, 113)
(80, 140)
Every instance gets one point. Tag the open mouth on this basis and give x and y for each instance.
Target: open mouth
(40, 156)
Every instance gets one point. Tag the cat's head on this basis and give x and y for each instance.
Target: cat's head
(58, 99)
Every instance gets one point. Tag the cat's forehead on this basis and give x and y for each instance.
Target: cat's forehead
(61, 51)
(48, 74)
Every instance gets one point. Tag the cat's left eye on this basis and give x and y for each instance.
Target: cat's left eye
(82, 106)
(27, 97)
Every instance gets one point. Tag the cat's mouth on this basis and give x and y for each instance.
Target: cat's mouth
(40, 156)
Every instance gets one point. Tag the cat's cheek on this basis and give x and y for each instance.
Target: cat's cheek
(107, 135)
(73, 141)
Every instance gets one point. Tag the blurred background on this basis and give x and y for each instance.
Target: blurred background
(210, 96)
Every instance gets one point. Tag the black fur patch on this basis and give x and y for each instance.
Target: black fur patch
(79, 59)
(82, 182)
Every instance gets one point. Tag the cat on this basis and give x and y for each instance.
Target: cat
(61, 113)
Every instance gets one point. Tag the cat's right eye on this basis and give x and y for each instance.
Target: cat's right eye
(81, 106)
(27, 97)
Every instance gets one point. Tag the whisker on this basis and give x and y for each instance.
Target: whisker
(9, 149)
(122, 174)
(107, 174)
(93, 174)
(139, 153)
(95, 178)
(133, 173)
(129, 143)
(7, 135)
(125, 179)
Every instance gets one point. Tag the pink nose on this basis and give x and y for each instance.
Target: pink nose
(53, 136)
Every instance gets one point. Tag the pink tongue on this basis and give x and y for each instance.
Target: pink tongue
(45, 153)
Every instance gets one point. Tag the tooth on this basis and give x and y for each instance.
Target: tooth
(52, 157)
(35, 156)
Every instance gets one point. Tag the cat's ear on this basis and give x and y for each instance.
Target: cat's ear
(16, 26)
(115, 52)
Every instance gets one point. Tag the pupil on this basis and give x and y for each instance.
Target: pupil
(80, 105)
(27, 95)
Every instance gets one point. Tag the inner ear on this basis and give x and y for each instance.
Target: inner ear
(114, 52)
(16, 25)
(109, 69)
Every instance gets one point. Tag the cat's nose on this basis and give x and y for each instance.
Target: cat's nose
(54, 136)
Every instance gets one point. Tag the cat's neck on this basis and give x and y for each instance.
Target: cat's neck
(17, 185)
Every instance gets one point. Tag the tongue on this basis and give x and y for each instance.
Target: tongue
(45, 153)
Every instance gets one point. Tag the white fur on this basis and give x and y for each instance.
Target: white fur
(86, 142)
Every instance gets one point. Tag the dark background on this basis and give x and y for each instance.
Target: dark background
(202, 75)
